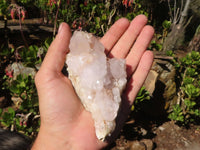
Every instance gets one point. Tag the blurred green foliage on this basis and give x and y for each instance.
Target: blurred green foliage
(142, 96)
(23, 116)
(187, 110)
(3, 7)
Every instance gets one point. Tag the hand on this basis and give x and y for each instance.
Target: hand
(65, 124)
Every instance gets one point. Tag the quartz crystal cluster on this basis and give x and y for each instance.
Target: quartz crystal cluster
(97, 80)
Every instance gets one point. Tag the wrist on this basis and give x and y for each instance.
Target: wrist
(52, 141)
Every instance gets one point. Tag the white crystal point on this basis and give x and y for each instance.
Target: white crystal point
(98, 81)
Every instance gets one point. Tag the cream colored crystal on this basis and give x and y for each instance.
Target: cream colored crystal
(98, 81)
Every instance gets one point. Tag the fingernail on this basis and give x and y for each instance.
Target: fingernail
(60, 28)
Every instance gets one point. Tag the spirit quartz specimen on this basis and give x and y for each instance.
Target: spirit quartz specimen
(97, 80)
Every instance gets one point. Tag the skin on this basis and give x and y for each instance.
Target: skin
(65, 124)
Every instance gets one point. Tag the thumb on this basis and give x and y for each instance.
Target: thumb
(56, 55)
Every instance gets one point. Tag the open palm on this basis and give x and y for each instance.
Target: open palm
(65, 124)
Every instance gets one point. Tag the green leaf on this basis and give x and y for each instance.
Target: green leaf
(142, 95)
(197, 112)
(14, 89)
(1, 110)
(190, 104)
(169, 53)
(166, 24)
(104, 17)
(195, 55)
(30, 130)
(192, 91)
(188, 80)
(176, 114)
(191, 72)
(20, 78)
(97, 20)
(12, 50)
(11, 111)
(22, 84)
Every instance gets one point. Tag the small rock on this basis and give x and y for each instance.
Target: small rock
(19, 68)
(148, 143)
(136, 145)
(121, 144)
(17, 101)
(150, 81)
(143, 131)
(161, 128)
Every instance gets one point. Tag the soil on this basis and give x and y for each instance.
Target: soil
(151, 134)
(140, 132)
(171, 136)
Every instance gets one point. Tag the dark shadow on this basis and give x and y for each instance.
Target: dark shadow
(5, 98)
(13, 141)
(150, 115)
(34, 34)
(124, 110)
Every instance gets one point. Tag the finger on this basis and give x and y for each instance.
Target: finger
(137, 80)
(114, 33)
(138, 49)
(124, 44)
(56, 55)
(131, 92)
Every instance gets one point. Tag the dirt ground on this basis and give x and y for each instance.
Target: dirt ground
(170, 136)
(166, 136)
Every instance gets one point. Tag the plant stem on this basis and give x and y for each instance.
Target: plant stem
(55, 21)
(21, 31)
(185, 11)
